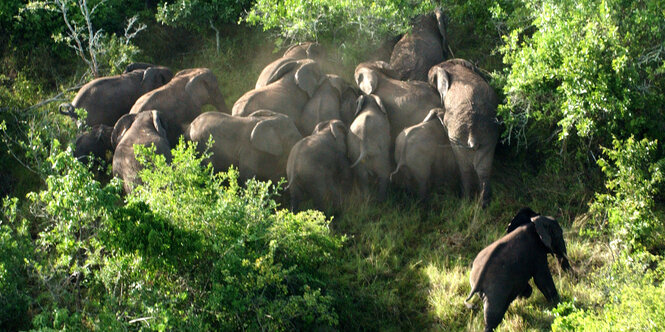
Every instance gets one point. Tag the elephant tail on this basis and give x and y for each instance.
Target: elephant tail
(396, 170)
(67, 109)
(466, 301)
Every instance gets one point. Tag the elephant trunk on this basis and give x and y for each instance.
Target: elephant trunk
(220, 104)
(563, 261)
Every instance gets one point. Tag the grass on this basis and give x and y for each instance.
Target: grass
(406, 263)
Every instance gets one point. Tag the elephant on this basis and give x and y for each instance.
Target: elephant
(258, 145)
(470, 122)
(95, 146)
(144, 128)
(424, 158)
(306, 50)
(294, 83)
(318, 168)
(368, 144)
(325, 104)
(425, 46)
(407, 103)
(501, 271)
(106, 99)
(136, 66)
(179, 102)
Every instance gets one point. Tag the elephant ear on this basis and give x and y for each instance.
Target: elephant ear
(379, 103)
(200, 86)
(543, 230)
(308, 77)
(522, 217)
(264, 138)
(158, 123)
(314, 51)
(337, 82)
(337, 128)
(153, 78)
(440, 80)
(367, 80)
(283, 69)
(121, 127)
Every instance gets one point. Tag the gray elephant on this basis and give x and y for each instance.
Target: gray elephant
(424, 158)
(145, 128)
(317, 167)
(179, 102)
(425, 46)
(470, 122)
(407, 103)
(258, 145)
(300, 51)
(287, 92)
(95, 146)
(106, 99)
(325, 104)
(501, 272)
(369, 145)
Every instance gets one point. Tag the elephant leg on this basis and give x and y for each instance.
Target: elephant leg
(494, 309)
(362, 178)
(525, 292)
(544, 281)
(296, 197)
(382, 188)
(466, 169)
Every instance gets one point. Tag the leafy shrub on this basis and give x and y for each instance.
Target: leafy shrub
(634, 178)
(635, 302)
(585, 72)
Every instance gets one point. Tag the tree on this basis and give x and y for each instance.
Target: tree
(198, 15)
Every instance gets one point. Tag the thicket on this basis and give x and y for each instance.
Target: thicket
(582, 83)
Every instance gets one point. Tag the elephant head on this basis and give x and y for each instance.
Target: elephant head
(307, 74)
(154, 77)
(274, 134)
(126, 121)
(522, 217)
(551, 235)
(306, 50)
(203, 88)
(367, 75)
(136, 66)
(94, 143)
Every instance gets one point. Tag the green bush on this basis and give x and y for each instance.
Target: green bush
(635, 301)
(585, 72)
(628, 210)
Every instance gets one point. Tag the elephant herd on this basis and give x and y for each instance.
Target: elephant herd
(421, 121)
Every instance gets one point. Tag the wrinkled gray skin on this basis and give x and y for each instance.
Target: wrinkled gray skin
(179, 102)
(501, 272)
(95, 145)
(369, 145)
(407, 103)
(145, 128)
(348, 102)
(326, 103)
(424, 158)
(287, 92)
(106, 99)
(258, 145)
(425, 46)
(318, 168)
(470, 121)
(306, 50)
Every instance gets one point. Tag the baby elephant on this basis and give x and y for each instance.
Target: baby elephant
(501, 272)
(318, 168)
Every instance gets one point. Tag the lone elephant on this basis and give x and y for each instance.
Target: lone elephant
(501, 272)
(258, 145)
(145, 128)
(106, 99)
(425, 46)
(317, 167)
(470, 122)
(179, 102)
(424, 158)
